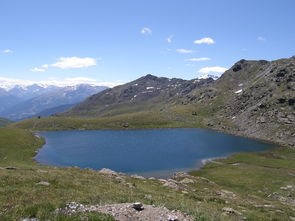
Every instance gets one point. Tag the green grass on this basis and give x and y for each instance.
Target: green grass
(17, 147)
(145, 119)
(21, 197)
(5, 122)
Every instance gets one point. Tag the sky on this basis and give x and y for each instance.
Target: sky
(116, 41)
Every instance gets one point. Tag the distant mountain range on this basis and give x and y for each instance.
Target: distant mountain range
(24, 101)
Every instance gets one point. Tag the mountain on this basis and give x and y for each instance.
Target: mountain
(33, 99)
(26, 92)
(146, 93)
(13, 94)
(8, 100)
(252, 98)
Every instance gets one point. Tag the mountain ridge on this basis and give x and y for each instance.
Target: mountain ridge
(149, 89)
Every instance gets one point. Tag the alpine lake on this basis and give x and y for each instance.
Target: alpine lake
(146, 152)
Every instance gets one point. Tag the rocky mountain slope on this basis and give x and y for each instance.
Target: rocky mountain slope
(146, 93)
(253, 98)
(24, 102)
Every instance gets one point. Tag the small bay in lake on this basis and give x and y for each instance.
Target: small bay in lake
(147, 152)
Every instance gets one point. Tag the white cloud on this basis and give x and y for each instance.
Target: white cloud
(169, 39)
(184, 51)
(9, 83)
(199, 59)
(37, 69)
(45, 66)
(74, 62)
(6, 51)
(261, 38)
(146, 31)
(212, 69)
(206, 40)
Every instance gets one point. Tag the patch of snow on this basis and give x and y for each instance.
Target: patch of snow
(135, 96)
(148, 88)
(240, 85)
(135, 84)
(239, 91)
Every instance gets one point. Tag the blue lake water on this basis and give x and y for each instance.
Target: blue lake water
(148, 152)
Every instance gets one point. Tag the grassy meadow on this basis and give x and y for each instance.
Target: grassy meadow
(242, 182)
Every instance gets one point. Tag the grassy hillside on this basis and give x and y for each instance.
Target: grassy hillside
(5, 122)
(242, 182)
(175, 117)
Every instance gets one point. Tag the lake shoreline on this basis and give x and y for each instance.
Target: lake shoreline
(199, 163)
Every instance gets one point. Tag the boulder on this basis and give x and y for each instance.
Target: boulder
(137, 206)
(181, 175)
(230, 211)
(44, 183)
(187, 181)
(10, 168)
(172, 218)
(171, 184)
(138, 177)
(109, 172)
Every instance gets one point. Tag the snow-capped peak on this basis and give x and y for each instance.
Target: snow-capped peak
(206, 76)
(10, 83)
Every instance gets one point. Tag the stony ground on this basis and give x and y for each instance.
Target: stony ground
(129, 212)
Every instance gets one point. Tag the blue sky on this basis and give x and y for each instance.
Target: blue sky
(121, 40)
